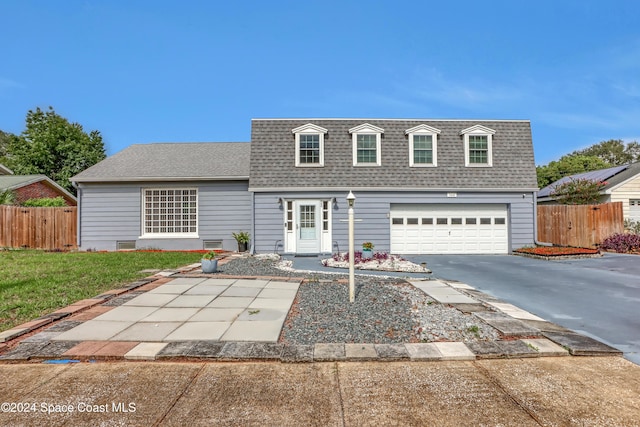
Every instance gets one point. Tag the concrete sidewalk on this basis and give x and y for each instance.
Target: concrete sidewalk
(523, 392)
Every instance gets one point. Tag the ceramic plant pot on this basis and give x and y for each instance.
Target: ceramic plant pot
(209, 265)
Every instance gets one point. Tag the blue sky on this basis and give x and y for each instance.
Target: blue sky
(178, 71)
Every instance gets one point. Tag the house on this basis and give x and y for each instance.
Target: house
(27, 187)
(622, 185)
(421, 186)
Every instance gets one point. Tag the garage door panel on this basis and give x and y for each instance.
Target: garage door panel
(425, 229)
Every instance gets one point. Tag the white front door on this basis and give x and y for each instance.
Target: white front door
(308, 227)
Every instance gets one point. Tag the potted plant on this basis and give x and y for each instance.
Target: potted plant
(242, 237)
(209, 262)
(367, 250)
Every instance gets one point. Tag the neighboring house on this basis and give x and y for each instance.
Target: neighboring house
(421, 186)
(622, 185)
(27, 187)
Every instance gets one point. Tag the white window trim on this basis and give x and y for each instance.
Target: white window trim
(366, 129)
(144, 235)
(309, 129)
(423, 130)
(478, 130)
(634, 209)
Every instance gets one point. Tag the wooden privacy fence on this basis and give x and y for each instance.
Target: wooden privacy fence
(38, 228)
(584, 226)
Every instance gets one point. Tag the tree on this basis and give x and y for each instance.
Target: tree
(569, 164)
(614, 152)
(4, 145)
(52, 146)
(602, 155)
(578, 192)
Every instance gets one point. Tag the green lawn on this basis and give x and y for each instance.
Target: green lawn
(34, 283)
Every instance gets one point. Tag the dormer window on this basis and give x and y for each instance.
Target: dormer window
(478, 146)
(366, 145)
(423, 146)
(309, 145)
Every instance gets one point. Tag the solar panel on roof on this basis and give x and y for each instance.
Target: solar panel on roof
(599, 175)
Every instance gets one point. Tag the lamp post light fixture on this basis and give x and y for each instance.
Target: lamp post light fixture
(351, 201)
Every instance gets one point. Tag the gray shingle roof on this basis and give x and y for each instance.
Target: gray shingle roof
(5, 170)
(172, 161)
(273, 157)
(11, 182)
(612, 176)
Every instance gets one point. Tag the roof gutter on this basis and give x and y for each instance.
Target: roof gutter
(396, 189)
(159, 179)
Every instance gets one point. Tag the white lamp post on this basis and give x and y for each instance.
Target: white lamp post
(351, 200)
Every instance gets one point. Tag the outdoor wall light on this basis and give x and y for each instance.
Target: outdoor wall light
(351, 199)
(280, 201)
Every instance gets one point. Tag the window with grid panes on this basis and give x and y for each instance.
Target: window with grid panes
(170, 211)
(422, 149)
(309, 149)
(478, 149)
(366, 150)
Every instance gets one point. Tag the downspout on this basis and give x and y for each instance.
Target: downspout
(253, 223)
(535, 223)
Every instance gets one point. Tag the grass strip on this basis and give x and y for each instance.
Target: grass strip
(34, 283)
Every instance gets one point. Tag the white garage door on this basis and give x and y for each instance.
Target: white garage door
(449, 229)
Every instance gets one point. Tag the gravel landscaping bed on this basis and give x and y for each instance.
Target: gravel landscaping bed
(385, 310)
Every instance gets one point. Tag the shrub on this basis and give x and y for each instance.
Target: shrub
(7, 197)
(578, 192)
(632, 226)
(45, 202)
(242, 236)
(622, 243)
(380, 257)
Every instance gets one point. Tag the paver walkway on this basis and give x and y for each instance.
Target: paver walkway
(193, 315)
(194, 309)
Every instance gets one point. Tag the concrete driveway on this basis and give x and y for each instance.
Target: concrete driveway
(598, 297)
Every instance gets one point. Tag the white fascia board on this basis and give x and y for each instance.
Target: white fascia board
(391, 119)
(403, 189)
(160, 179)
(626, 181)
(309, 127)
(477, 129)
(422, 128)
(366, 127)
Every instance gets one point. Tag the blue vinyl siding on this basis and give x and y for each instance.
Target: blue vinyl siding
(373, 209)
(111, 213)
